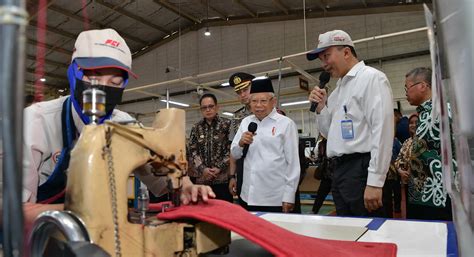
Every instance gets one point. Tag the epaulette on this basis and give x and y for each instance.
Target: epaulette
(239, 110)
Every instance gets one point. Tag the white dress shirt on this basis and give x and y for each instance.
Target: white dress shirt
(43, 144)
(271, 167)
(367, 95)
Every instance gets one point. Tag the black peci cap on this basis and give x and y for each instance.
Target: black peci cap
(262, 86)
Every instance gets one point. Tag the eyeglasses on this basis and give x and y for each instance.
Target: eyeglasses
(260, 101)
(206, 107)
(408, 88)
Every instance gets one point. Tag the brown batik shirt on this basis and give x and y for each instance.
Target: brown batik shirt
(209, 146)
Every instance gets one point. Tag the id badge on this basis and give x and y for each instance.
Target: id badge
(347, 129)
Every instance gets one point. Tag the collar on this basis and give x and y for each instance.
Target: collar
(274, 115)
(355, 69)
(241, 109)
(247, 109)
(244, 109)
(425, 106)
(214, 121)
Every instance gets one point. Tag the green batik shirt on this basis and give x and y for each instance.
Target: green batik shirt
(425, 186)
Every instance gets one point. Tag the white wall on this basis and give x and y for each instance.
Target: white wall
(231, 46)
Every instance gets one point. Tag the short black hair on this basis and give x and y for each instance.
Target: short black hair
(353, 51)
(208, 95)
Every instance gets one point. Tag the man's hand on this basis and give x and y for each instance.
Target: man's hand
(233, 186)
(246, 139)
(193, 193)
(319, 96)
(372, 198)
(208, 174)
(287, 207)
(215, 171)
(404, 175)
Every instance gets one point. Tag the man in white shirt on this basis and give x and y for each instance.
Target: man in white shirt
(358, 123)
(52, 127)
(271, 166)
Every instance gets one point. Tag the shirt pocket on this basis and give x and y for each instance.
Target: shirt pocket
(271, 141)
(354, 110)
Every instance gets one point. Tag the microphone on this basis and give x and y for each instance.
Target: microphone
(252, 128)
(323, 80)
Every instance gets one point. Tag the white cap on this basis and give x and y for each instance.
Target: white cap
(328, 39)
(96, 49)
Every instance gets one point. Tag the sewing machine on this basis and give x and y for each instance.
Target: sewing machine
(96, 216)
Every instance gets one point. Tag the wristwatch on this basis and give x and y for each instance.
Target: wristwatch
(232, 176)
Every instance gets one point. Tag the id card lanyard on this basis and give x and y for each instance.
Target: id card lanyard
(347, 128)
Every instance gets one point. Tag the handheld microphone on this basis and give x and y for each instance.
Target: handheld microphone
(252, 128)
(324, 78)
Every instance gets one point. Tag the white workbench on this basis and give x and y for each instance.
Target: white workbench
(413, 238)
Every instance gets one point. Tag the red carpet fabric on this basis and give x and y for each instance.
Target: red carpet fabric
(276, 240)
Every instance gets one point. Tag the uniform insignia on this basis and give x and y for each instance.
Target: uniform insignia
(239, 110)
(237, 80)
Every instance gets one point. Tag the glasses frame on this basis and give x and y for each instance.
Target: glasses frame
(207, 107)
(408, 88)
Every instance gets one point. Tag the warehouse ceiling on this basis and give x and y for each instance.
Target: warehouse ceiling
(147, 24)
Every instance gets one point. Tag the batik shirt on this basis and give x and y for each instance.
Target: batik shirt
(425, 186)
(392, 171)
(209, 146)
(404, 157)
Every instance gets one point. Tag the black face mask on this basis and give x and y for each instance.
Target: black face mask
(113, 95)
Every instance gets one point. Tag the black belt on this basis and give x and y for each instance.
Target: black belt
(347, 157)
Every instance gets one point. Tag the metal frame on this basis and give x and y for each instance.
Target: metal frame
(246, 8)
(280, 13)
(272, 60)
(177, 11)
(281, 6)
(132, 16)
(94, 24)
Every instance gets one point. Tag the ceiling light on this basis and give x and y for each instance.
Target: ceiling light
(176, 103)
(207, 33)
(261, 77)
(228, 114)
(295, 103)
(226, 84)
(43, 79)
